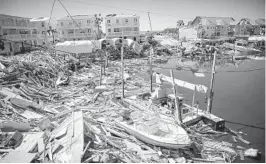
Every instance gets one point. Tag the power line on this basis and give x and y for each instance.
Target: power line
(51, 13)
(75, 21)
(120, 8)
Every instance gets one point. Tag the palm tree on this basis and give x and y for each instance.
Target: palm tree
(52, 31)
(180, 23)
(98, 21)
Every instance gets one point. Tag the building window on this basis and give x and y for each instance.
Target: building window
(88, 21)
(42, 24)
(70, 23)
(117, 21)
(126, 20)
(108, 21)
(63, 32)
(34, 31)
(71, 31)
(109, 30)
(136, 29)
(89, 30)
(135, 20)
(62, 24)
(207, 27)
(116, 30)
(127, 29)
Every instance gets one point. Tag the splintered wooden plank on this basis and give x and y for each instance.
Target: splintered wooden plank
(72, 141)
(30, 140)
(18, 157)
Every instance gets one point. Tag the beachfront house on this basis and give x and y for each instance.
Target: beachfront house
(118, 26)
(244, 27)
(214, 27)
(259, 26)
(247, 27)
(82, 28)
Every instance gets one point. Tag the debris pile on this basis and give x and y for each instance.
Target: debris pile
(49, 114)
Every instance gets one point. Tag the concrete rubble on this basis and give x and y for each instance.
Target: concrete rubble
(60, 109)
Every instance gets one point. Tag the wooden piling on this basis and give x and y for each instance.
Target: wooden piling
(193, 98)
(209, 107)
(178, 116)
(101, 74)
(122, 65)
(151, 53)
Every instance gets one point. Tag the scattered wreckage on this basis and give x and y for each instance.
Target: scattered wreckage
(56, 109)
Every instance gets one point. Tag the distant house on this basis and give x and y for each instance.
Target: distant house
(248, 27)
(259, 26)
(214, 27)
(244, 27)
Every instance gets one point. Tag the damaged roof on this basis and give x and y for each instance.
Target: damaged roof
(4, 15)
(260, 21)
(211, 21)
(121, 15)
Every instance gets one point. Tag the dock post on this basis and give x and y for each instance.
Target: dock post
(193, 98)
(177, 107)
(209, 105)
(106, 59)
(151, 53)
(101, 74)
(122, 65)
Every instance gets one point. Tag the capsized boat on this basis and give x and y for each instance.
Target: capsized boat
(150, 126)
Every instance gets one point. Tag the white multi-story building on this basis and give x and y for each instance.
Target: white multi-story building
(127, 26)
(18, 33)
(69, 30)
(46, 30)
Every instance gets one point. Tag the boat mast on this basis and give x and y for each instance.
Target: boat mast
(209, 107)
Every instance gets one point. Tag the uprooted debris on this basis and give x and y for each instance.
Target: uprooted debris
(49, 114)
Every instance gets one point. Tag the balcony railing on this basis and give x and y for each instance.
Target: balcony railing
(125, 33)
(82, 25)
(83, 34)
(23, 36)
(14, 24)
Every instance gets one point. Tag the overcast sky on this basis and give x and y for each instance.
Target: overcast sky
(167, 11)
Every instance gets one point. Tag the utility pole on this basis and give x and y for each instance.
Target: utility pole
(151, 53)
(122, 64)
(209, 107)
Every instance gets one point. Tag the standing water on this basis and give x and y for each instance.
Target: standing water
(239, 97)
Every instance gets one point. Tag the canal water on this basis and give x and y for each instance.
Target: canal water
(238, 97)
